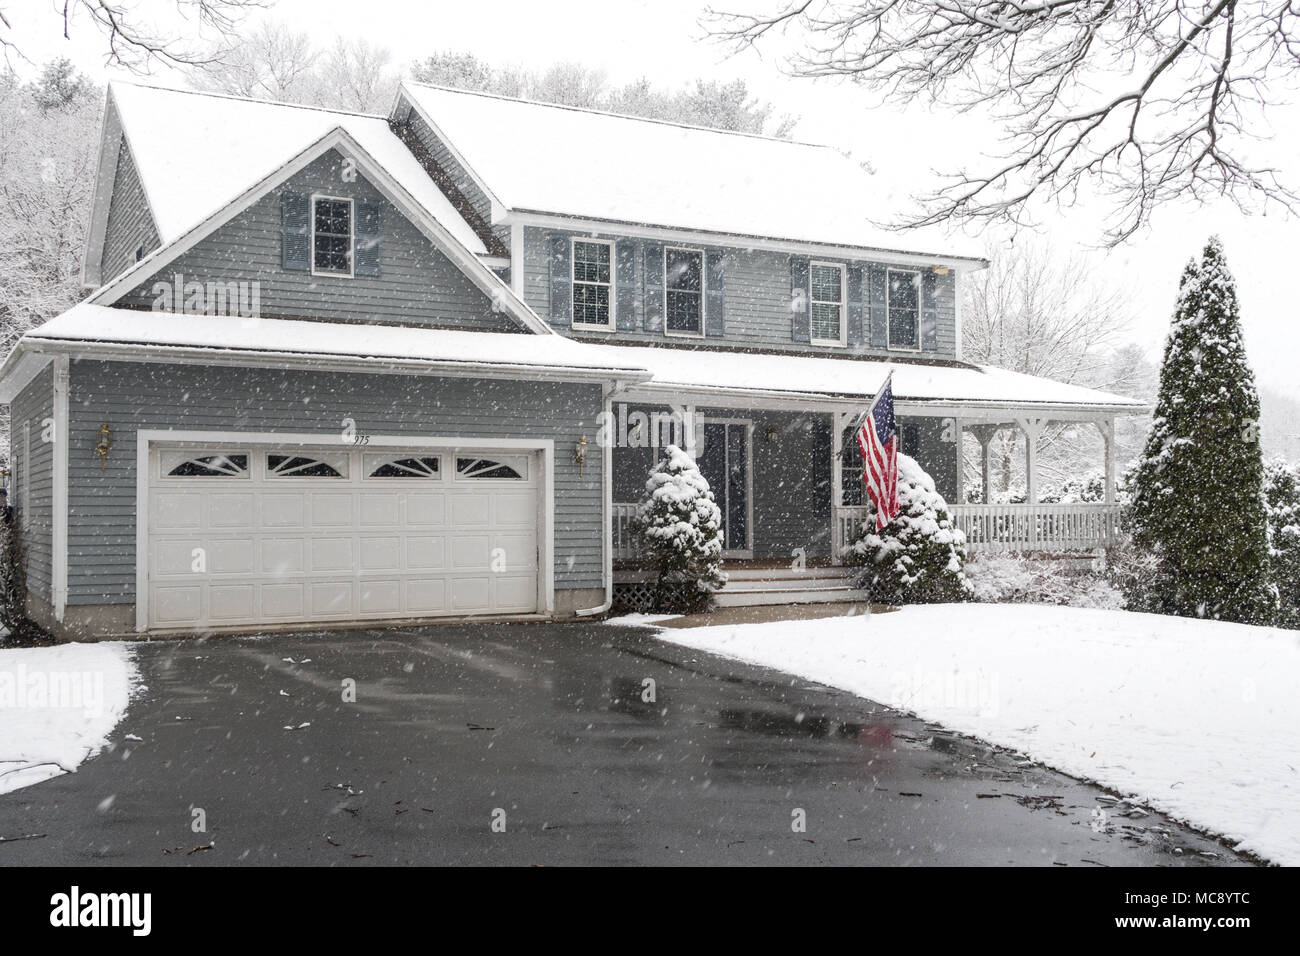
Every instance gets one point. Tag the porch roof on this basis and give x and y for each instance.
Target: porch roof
(939, 388)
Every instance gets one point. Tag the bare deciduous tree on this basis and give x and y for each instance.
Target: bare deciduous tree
(1140, 101)
(272, 62)
(132, 43)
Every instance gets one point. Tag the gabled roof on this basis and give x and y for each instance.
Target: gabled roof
(204, 158)
(541, 158)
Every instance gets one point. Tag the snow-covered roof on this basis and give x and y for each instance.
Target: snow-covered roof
(674, 373)
(197, 152)
(537, 157)
(700, 371)
(285, 341)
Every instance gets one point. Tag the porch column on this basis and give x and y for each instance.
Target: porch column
(1032, 427)
(985, 434)
(839, 422)
(1107, 428)
(690, 436)
(959, 436)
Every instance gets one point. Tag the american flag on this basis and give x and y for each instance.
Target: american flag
(879, 443)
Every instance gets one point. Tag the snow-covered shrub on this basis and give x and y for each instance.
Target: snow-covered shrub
(1282, 499)
(1018, 579)
(918, 558)
(680, 531)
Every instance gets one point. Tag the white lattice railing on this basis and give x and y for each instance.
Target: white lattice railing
(1022, 527)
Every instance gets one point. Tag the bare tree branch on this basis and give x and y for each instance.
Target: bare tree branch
(1140, 102)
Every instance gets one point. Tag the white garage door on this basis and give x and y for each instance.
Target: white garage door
(265, 535)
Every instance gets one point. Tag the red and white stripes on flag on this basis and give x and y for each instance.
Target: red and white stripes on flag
(878, 440)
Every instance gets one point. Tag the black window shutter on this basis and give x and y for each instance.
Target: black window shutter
(654, 287)
(799, 326)
(853, 279)
(929, 313)
(295, 224)
(369, 227)
(714, 326)
(877, 306)
(625, 253)
(561, 280)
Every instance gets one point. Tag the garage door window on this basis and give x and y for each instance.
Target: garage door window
(514, 468)
(306, 466)
(204, 465)
(427, 467)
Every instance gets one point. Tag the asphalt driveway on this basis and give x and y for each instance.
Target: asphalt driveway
(532, 744)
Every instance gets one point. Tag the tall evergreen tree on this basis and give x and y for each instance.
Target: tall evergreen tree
(1198, 509)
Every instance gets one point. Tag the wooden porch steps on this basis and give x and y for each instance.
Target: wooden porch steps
(751, 586)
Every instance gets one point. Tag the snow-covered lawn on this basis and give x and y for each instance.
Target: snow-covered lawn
(58, 706)
(1199, 719)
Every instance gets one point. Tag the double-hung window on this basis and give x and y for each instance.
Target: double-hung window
(684, 291)
(826, 303)
(904, 309)
(331, 235)
(593, 282)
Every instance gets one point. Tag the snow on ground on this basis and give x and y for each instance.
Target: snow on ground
(624, 620)
(1196, 718)
(58, 706)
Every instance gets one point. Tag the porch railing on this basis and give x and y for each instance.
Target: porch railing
(1020, 527)
(1038, 527)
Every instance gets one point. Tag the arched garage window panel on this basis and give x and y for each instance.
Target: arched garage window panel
(512, 468)
(421, 466)
(183, 464)
(306, 466)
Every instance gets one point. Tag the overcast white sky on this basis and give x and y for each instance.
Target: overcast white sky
(664, 41)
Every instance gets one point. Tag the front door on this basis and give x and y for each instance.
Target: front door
(725, 463)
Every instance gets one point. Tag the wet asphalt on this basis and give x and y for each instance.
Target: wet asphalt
(534, 744)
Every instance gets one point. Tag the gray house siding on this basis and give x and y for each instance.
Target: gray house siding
(130, 227)
(756, 301)
(417, 285)
(34, 479)
(459, 175)
(129, 396)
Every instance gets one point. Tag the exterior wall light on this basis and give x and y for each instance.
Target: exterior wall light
(105, 443)
(772, 434)
(580, 453)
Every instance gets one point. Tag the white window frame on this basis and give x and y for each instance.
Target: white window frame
(843, 340)
(704, 290)
(24, 475)
(352, 238)
(889, 340)
(574, 281)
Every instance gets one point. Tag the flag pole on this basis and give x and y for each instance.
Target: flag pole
(857, 422)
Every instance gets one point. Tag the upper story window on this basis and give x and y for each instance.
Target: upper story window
(904, 309)
(593, 282)
(331, 235)
(826, 301)
(684, 291)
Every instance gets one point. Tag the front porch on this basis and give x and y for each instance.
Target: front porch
(789, 481)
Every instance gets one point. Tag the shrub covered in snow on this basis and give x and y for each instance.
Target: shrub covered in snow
(680, 531)
(1198, 498)
(1282, 498)
(918, 558)
(1019, 579)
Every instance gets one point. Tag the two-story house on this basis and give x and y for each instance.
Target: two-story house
(343, 369)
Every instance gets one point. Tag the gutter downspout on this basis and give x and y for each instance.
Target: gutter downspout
(606, 503)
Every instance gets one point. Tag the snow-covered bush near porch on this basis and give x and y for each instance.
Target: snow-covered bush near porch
(1019, 579)
(680, 530)
(918, 558)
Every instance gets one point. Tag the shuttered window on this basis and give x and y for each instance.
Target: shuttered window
(332, 235)
(826, 303)
(684, 291)
(593, 282)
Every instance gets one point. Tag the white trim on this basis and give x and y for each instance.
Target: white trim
(956, 313)
(843, 340)
(59, 502)
(25, 480)
(920, 308)
(704, 290)
(544, 447)
(352, 236)
(573, 282)
(338, 138)
(699, 237)
(517, 260)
